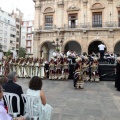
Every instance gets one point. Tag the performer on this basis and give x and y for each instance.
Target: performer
(42, 70)
(1, 64)
(30, 67)
(26, 67)
(117, 79)
(94, 70)
(65, 71)
(85, 68)
(34, 67)
(7, 67)
(20, 64)
(51, 69)
(58, 68)
(78, 76)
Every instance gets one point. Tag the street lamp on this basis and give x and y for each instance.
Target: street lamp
(56, 43)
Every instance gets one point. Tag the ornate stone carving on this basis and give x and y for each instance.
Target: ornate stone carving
(49, 10)
(73, 8)
(60, 3)
(110, 1)
(84, 1)
(118, 6)
(97, 6)
(37, 6)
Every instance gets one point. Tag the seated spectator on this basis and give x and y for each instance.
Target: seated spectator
(3, 80)
(11, 87)
(35, 89)
(3, 112)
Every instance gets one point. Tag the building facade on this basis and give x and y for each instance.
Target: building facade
(81, 25)
(18, 15)
(27, 29)
(7, 31)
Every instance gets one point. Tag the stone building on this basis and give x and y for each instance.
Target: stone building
(27, 35)
(81, 25)
(7, 31)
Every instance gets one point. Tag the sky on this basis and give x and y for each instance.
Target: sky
(26, 6)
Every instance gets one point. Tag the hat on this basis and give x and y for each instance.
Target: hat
(78, 59)
(52, 58)
(86, 58)
(95, 58)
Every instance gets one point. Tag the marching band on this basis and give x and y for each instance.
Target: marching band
(86, 67)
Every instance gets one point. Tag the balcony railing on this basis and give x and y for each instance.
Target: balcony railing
(47, 27)
(93, 25)
(29, 38)
(110, 24)
(28, 45)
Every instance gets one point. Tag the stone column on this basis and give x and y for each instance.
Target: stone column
(60, 13)
(37, 15)
(36, 48)
(84, 42)
(110, 43)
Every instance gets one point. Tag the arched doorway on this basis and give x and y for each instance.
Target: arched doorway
(117, 48)
(47, 50)
(93, 47)
(73, 45)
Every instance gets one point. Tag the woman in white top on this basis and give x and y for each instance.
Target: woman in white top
(35, 89)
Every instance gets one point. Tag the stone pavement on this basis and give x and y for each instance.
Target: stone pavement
(97, 101)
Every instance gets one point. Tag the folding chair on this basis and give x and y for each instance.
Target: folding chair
(28, 101)
(8, 97)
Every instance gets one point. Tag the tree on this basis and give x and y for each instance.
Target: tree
(0, 47)
(8, 53)
(22, 52)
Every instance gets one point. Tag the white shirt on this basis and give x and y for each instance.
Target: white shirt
(54, 54)
(68, 53)
(101, 47)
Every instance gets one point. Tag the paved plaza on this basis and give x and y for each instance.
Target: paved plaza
(97, 101)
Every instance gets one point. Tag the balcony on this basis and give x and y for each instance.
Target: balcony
(47, 27)
(88, 25)
(28, 45)
(111, 24)
(29, 38)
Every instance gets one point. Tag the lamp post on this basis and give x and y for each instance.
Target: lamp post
(57, 43)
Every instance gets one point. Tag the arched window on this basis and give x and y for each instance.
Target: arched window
(97, 14)
(48, 13)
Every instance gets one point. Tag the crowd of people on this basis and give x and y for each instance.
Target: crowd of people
(24, 67)
(34, 89)
(86, 69)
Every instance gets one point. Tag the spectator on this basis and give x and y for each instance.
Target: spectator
(117, 79)
(3, 80)
(35, 88)
(12, 87)
(3, 112)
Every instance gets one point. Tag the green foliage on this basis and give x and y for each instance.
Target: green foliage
(22, 52)
(57, 49)
(0, 47)
(8, 53)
